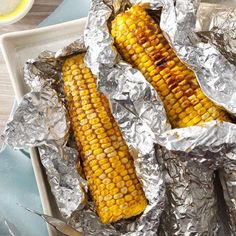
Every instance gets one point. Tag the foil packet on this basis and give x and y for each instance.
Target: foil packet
(215, 73)
(41, 121)
(184, 160)
(192, 202)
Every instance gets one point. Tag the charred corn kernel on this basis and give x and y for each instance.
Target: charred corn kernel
(102, 135)
(108, 197)
(120, 184)
(94, 168)
(97, 151)
(104, 140)
(128, 198)
(149, 52)
(124, 173)
(118, 196)
(124, 160)
(101, 187)
(112, 154)
(99, 131)
(131, 188)
(95, 131)
(98, 172)
(111, 202)
(96, 126)
(103, 161)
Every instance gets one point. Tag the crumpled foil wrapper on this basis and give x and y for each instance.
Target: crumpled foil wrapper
(214, 72)
(191, 200)
(184, 161)
(214, 65)
(210, 147)
(191, 205)
(217, 24)
(135, 106)
(41, 121)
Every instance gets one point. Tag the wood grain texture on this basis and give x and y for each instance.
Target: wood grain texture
(40, 10)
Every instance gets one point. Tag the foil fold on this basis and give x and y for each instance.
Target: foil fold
(177, 176)
(135, 106)
(189, 172)
(132, 102)
(214, 72)
(217, 24)
(191, 205)
(41, 121)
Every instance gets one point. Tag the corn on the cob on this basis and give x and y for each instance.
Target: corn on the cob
(141, 43)
(107, 164)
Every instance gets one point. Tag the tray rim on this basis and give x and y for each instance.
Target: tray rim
(7, 41)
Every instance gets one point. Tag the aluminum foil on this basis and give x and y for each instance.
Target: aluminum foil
(41, 121)
(135, 106)
(192, 202)
(191, 206)
(216, 23)
(214, 147)
(184, 160)
(44, 71)
(214, 64)
(228, 178)
(214, 72)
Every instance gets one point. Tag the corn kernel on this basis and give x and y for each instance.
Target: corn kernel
(128, 197)
(99, 140)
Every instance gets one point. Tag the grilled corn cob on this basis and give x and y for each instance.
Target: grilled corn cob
(107, 164)
(141, 43)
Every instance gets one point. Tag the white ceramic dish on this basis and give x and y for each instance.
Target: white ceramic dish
(19, 46)
(18, 16)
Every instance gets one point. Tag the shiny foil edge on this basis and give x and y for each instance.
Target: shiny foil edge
(216, 80)
(113, 60)
(191, 202)
(55, 155)
(42, 121)
(214, 72)
(133, 102)
(216, 25)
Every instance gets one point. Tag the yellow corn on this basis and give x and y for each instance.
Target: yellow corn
(108, 166)
(141, 43)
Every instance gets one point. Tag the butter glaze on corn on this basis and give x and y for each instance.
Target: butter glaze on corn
(107, 164)
(141, 43)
